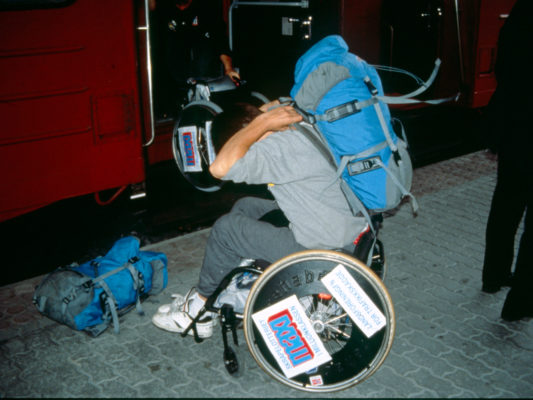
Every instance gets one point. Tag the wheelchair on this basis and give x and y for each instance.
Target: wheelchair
(316, 320)
(192, 144)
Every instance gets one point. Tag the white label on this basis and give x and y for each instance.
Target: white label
(316, 380)
(286, 26)
(189, 149)
(354, 300)
(290, 337)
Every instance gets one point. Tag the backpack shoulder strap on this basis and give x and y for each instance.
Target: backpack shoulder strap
(318, 141)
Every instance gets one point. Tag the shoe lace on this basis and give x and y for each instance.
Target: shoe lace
(176, 303)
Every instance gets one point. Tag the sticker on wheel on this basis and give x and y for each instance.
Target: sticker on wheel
(351, 296)
(316, 380)
(290, 337)
(189, 149)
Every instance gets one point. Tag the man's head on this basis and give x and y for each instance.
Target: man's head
(234, 118)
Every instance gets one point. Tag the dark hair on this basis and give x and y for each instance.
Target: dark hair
(234, 117)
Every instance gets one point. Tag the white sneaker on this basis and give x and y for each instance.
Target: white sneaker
(174, 306)
(178, 319)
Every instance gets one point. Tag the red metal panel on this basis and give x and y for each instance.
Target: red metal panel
(69, 103)
(492, 15)
(360, 27)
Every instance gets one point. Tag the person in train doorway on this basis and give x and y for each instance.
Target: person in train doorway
(265, 149)
(194, 44)
(508, 123)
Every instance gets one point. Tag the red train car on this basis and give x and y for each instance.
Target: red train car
(77, 93)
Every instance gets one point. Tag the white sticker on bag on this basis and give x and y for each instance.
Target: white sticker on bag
(290, 337)
(351, 296)
(189, 149)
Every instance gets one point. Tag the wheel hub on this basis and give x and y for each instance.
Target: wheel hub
(318, 321)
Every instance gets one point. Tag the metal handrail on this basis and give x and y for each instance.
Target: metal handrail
(146, 28)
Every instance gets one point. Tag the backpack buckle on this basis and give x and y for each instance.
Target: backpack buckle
(365, 165)
(397, 157)
(371, 88)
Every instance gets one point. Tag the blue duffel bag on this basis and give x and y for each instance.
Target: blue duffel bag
(90, 296)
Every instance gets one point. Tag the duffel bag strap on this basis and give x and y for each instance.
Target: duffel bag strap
(72, 295)
(110, 300)
(111, 304)
(138, 283)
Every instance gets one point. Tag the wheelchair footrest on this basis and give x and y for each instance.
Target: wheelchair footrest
(229, 322)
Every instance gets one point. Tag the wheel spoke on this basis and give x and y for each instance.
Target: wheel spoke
(335, 319)
(330, 327)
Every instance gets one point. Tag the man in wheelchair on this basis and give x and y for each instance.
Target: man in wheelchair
(265, 149)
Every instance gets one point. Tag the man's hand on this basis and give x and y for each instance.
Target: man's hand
(234, 76)
(228, 68)
(268, 106)
(280, 118)
(277, 119)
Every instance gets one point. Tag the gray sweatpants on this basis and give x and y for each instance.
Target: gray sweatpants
(239, 234)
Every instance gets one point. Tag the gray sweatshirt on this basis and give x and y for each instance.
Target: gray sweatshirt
(304, 186)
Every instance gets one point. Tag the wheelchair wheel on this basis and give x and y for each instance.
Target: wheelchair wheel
(319, 321)
(192, 145)
(257, 99)
(378, 262)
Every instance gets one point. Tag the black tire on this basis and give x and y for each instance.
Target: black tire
(354, 356)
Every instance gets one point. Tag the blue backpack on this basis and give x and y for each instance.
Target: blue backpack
(90, 296)
(342, 97)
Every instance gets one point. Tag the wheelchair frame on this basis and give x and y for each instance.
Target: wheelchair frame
(348, 345)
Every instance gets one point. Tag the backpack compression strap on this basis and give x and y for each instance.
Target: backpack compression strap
(355, 106)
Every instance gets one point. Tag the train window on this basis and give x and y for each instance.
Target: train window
(7, 5)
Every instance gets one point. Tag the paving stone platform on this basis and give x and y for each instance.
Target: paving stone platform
(449, 342)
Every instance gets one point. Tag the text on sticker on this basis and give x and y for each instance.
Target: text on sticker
(189, 148)
(290, 338)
